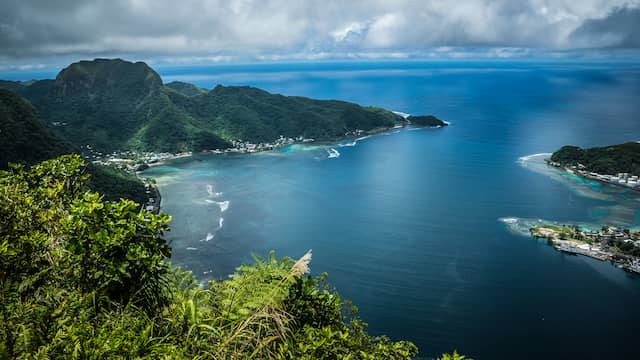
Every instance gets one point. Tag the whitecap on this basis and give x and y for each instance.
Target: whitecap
(220, 222)
(333, 153)
(509, 220)
(224, 205)
(209, 237)
(211, 192)
(355, 142)
(524, 159)
(192, 248)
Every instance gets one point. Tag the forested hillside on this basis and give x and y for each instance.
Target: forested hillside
(26, 139)
(118, 105)
(614, 159)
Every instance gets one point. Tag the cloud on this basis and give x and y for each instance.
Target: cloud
(229, 30)
(619, 29)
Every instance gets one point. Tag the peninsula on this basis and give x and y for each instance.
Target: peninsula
(615, 164)
(620, 246)
(108, 105)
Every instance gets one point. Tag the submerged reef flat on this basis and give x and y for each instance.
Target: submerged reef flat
(619, 204)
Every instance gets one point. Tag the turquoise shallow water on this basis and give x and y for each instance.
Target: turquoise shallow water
(408, 224)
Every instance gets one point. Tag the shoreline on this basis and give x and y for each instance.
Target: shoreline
(603, 179)
(244, 151)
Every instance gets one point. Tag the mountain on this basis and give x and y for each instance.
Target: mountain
(27, 140)
(614, 159)
(254, 115)
(113, 104)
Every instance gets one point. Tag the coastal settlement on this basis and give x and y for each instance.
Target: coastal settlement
(619, 246)
(620, 179)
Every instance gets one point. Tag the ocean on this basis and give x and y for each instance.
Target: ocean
(416, 226)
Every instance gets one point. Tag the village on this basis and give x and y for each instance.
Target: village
(135, 161)
(620, 179)
(619, 246)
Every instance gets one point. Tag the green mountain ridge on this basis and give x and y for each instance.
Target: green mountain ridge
(113, 105)
(185, 89)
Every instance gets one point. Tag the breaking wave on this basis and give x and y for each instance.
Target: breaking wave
(524, 159)
(211, 192)
(209, 237)
(224, 205)
(333, 153)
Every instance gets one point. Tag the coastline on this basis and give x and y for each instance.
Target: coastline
(604, 179)
(601, 245)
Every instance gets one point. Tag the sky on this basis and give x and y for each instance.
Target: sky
(40, 33)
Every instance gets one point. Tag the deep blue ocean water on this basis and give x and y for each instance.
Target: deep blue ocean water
(407, 224)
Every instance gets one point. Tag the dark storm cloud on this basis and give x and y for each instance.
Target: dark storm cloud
(620, 28)
(215, 30)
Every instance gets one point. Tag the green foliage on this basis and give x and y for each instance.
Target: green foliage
(426, 120)
(454, 356)
(623, 158)
(82, 278)
(25, 138)
(241, 112)
(115, 184)
(185, 89)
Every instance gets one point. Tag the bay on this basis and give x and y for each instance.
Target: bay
(407, 224)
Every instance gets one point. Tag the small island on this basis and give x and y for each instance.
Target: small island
(426, 120)
(615, 164)
(619, 246)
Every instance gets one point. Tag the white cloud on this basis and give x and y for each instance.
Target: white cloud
(314, 29)
(343, 34)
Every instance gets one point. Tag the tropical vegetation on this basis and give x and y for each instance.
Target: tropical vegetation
(614, 159)
(82, 277)
(425, 120)
(26, 139)
(115, 105)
